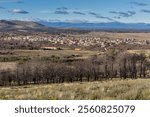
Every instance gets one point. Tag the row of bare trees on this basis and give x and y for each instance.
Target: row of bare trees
(106, 67)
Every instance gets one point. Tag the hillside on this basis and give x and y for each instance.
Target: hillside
(30, 26)
(10, 25)
(120, 89)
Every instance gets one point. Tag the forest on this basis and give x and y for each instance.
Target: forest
(122, 65)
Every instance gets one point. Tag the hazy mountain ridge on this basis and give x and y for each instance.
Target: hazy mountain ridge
(31, 26)
(105, 26)
(69, 27)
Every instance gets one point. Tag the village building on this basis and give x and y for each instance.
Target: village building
(49, 48)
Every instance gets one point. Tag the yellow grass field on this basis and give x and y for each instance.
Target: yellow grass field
(7, 65)
(138, 36)
(146, 52)
(109, 90)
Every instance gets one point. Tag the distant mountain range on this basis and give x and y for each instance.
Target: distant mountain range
(63, 27)
(101, 26)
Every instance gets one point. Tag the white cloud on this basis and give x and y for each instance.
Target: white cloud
(18, 11)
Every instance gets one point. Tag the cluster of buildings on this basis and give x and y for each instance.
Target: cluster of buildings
(75, 40)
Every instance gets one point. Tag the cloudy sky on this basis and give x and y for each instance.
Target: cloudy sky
(128, 11)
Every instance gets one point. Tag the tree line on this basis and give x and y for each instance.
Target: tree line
(109, 66)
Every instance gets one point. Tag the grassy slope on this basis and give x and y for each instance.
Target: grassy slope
(127, 89)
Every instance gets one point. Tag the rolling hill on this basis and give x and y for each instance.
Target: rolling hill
(30, 26)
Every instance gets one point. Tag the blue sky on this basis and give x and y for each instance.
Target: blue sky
(128, 11)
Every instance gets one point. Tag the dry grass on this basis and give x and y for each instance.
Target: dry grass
(54, 52)
(7, 65)
(49, 53)
(138, 36)
(127, 89)
(146, 51)
(39, 54)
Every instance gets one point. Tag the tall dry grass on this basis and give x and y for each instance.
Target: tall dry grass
(121, 89)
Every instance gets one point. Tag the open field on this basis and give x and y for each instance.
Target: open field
(9, 61)
(7, 65)
(60, 53)
(34, 54)
(118, 89)
(146, 52)
(111, 35)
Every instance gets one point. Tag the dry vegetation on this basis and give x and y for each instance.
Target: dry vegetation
(10, 61)
(7, 65)
(17, 55)
(60, 53)
(111, 35)
(69, 74)
(146, 52)
(120, 89)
